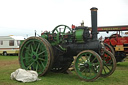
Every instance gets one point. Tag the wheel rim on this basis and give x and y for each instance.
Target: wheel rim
(56, 29)
(109, 48)
(35, 55)
(109, 63)
(51, 53)
(88, 65)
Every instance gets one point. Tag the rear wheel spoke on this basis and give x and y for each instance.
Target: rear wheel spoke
(42, 64)
(37, 66)
(31, 48)
(41, 59)
(94, 59)
(41, 52)
(30, 65)
(37, 47)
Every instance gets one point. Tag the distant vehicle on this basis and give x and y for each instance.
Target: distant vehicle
(10, 44)
(116, 43)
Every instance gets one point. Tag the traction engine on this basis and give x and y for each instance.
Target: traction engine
(54, 51)
(116, 43)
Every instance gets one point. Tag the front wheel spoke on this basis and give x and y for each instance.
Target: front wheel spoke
(94, 59)
(88, 59)
(96, 64)
(80, 66)
(89, 55)
(95, 69)
(90, 72)
(83, 69)
(87, 72)
(82, 59)
(81, 62)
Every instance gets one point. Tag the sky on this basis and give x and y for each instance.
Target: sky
(23, 17)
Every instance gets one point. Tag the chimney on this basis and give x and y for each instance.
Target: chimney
(94, 22)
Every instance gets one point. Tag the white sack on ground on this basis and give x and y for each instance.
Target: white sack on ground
(24, 75)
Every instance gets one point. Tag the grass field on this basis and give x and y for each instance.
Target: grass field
(9, 64)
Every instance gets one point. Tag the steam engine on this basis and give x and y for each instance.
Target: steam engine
(67, 42)
(54, 51)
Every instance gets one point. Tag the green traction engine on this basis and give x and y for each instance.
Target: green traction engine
(54, 51)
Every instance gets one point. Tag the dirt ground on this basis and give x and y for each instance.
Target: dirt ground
(7, 63)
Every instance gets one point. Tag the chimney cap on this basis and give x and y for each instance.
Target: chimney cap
(94, 9)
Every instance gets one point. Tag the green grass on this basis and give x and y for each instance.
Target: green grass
(8, 57)
(9, 64)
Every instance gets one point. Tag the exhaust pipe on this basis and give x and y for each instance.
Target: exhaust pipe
(94, 22)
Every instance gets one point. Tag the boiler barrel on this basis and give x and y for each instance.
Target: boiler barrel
(93, 45)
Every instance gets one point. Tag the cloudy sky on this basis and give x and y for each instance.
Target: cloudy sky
(23, 17)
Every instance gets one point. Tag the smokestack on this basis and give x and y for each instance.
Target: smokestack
(94, 22)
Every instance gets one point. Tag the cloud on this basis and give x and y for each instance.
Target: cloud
(28, 15)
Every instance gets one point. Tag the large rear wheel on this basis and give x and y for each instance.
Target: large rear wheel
(35, 54)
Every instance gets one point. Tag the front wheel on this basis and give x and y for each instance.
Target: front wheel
(88, 65)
